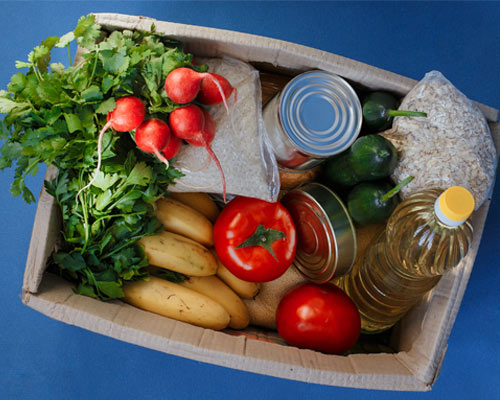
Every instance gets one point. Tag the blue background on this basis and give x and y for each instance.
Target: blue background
(46, 359)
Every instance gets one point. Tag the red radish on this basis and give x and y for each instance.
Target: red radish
(210, 94)
(183, 86)
(197, 127)
(152, 136)
(126, 116)
(172, 148)
(186, 121)
(208, 132)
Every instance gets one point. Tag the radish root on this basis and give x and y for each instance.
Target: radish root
(217, 162)
(230, 112)
(161, 158)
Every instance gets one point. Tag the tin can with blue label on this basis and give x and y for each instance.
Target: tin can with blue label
(316, 115)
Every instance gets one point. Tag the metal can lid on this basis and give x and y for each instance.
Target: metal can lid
(326, 237)
(320, 113)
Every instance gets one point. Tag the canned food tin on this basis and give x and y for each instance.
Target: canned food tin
(316, 115)
(326, 237)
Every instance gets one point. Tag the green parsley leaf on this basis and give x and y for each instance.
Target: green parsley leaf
(65, 39)
(73, 122)
(104, 181)
(23, 64)
(106, 106)
(17, 83)
(70, 261)
(111, 290)
(140, 175)
(87, 32)
(114, 62)
(93, 93)
(7, 106)
(57, 68)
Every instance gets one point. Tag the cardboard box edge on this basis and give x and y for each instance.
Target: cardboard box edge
(65, 313)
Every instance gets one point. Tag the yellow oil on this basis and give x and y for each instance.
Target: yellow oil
(404, 262)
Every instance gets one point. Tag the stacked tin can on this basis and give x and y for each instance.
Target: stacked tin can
(316, 115)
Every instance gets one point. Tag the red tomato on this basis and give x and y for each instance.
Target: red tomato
(318, 317)
(255, 239)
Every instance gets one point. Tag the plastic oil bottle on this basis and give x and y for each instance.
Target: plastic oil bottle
(426, 235)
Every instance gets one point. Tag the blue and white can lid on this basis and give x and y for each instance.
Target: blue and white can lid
(320, 113)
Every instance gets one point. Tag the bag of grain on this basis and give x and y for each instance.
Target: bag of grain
(240, 142)
(451, 146)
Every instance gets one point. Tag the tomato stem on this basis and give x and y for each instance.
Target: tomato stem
(263, 237)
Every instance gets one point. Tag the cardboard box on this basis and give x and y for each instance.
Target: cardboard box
(421, 338)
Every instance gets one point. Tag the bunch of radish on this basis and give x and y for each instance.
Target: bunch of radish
(189, 122)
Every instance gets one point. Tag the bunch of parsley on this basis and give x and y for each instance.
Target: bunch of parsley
(53, 116)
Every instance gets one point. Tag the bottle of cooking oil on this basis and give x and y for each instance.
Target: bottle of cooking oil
(426, 235)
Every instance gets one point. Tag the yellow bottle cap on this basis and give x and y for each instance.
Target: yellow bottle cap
(456, 203)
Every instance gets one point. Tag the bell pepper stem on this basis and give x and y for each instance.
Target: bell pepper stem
(395, 190)
(405, 113)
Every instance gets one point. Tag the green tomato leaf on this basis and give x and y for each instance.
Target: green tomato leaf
(263, 237)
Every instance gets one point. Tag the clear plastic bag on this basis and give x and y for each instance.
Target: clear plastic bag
(240, 142)
(451, 146)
